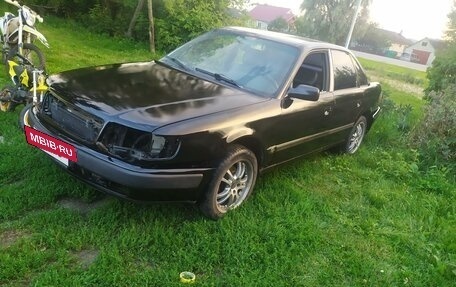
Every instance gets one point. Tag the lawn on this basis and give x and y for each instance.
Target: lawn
(371, 219)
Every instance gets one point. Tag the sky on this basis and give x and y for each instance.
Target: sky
(416, 19)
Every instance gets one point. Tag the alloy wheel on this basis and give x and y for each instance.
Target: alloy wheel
(356, 136)
(235, 185)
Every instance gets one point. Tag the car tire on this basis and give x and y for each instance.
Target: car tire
(356, 136)
(231, 184)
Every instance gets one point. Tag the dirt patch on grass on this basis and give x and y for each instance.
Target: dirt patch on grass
(86, 257)
(81, 206)
(25, 282)
(10, 237)
(14, 180)
(405, 87)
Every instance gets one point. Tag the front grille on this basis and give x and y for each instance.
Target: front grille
(70, 120)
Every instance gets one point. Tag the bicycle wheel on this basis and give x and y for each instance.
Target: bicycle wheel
(31, 57)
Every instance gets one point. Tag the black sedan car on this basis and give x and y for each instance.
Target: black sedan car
(199, 124)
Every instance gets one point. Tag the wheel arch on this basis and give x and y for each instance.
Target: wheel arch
(254, 145)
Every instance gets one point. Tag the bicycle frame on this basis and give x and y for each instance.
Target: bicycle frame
(29, 87)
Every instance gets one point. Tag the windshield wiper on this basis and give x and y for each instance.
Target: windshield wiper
(219, 77)
(178, 62)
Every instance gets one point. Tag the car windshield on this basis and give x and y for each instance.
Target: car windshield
(258, 65)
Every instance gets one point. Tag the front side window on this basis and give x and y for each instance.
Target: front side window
(344, 72)
(313, 71)
(249, 62)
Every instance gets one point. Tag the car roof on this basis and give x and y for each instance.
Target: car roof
(301, 42)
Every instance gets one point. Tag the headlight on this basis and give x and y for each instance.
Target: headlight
(28, 17)
(133, 145)
(147, 146)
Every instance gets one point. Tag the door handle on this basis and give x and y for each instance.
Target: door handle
(328, 110)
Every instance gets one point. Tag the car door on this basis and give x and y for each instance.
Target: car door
(302, 126)
(349, 87)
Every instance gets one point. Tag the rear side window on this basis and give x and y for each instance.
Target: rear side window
(362, 78)
(345, 75)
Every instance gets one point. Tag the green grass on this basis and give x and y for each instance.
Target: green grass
(372, 219)
(395, 72)
(69, 51)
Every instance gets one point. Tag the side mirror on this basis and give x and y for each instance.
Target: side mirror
(304, 92)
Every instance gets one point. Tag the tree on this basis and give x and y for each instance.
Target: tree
(451, 32)
(182, 20)
(150, 13)
(278, 25)
(136, 14)
(443, 71)
(374, 40)
(329, 20)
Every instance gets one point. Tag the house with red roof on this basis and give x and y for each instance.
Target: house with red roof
(263, 14)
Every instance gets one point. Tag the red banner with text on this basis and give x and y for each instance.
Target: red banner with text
(50, 144)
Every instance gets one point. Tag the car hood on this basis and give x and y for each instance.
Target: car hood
(145, 93)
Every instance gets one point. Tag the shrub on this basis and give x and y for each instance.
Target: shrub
(435, 137)
(443, 71)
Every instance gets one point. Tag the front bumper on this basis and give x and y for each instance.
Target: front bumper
(121, 179)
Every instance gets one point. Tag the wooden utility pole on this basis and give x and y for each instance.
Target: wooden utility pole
(151, 26)
(138, 9)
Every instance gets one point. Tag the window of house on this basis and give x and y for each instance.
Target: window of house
(424, 44)
(345, 75)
